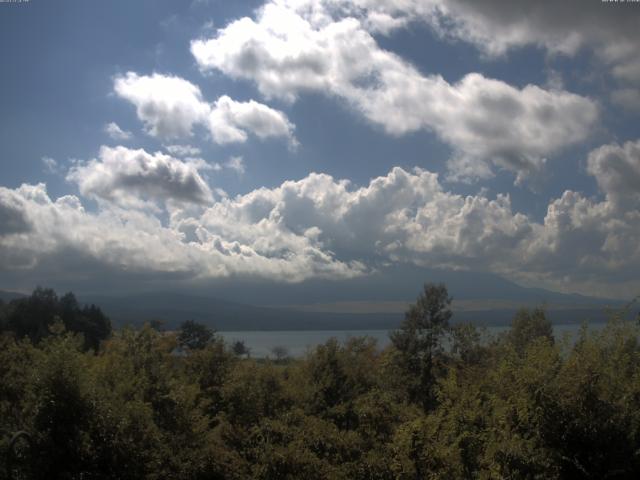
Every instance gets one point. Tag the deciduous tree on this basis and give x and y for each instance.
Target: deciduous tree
(419, 340)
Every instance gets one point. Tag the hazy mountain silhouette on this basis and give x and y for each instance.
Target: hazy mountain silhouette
(243, 304)
(7, 296)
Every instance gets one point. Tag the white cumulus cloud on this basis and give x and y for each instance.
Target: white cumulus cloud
(608, 29)
(116, 133)
(170, 107)
(48, 236)
(135, 178)
(295, 47)
(50, 164)
(183, 150)
(322, 227)
(236, 164)
(230, 121)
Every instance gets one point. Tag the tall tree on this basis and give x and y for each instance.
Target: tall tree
(88, 320)
(33, 317)
(419, 340)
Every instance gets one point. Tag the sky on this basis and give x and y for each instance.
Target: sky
(181, 144)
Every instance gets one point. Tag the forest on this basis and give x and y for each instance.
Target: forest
(443, 401)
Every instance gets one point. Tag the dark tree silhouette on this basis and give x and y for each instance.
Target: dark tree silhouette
(33, 317)
(280, 353)
(194, 335)
(240, 349)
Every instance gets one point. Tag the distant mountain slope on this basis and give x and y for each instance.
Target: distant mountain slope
(231, 316)
(226, 315)
(7, 296)
(376, 301)
(395, 283)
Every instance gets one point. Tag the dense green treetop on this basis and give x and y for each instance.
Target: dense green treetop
(33, 317)
(158, 405)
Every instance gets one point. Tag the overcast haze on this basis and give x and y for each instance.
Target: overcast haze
(180, 145)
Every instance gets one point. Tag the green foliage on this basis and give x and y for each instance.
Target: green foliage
(467, 344)
(253, 392)
(419, 342)
(528, 326)
(140, 407)
(33, 316)
(194, 335)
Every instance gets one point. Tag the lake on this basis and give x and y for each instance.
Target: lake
(297, 342)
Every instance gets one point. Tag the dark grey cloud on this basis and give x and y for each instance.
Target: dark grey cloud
(617, 171)
(12, 215)
(608, 29)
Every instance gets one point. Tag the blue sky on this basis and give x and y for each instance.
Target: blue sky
(178, 144)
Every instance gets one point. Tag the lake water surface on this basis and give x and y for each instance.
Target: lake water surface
(297, 342)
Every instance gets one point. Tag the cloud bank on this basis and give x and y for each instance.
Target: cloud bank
(321, 227)
(294, 47)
